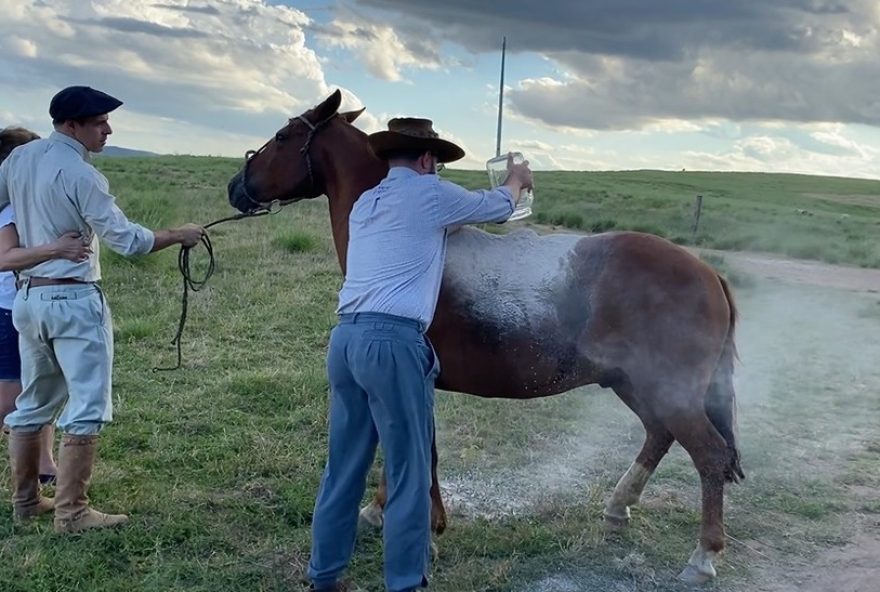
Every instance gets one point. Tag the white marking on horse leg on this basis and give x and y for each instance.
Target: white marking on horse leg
(371, 515)
(699, 569)
(627, 493)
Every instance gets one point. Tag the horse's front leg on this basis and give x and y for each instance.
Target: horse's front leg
(438, 512)
(371, 514)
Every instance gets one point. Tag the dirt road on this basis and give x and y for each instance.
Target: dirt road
(803, 272)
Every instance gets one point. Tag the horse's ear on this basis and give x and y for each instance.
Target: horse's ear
(329, 107)
(350, 116)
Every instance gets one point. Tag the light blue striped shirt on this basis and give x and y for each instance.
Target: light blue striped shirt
(397, 241)
(55, 190)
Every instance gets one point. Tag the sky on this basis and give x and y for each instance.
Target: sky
(746, 85)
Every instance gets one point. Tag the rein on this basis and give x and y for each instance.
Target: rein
(196, 284)
(260, 209)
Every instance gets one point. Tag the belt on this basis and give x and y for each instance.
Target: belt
(38, 282)
(351, 318)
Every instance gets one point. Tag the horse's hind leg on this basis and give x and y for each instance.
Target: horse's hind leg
(710, 454)
(629, 489)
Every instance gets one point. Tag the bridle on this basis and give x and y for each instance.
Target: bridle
(250, 154)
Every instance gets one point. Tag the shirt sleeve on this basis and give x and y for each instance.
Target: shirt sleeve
(7, 216)
(98, 208)
(4, 189)
(457, 205)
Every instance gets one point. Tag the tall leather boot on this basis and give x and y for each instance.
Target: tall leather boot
(24, 457)
(72, 511)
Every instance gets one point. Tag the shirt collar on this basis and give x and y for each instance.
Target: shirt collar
(401, 172)
(68, 141)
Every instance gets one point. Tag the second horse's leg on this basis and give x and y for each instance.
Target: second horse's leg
(371, 514)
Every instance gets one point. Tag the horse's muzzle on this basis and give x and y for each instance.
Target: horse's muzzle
(237, 195)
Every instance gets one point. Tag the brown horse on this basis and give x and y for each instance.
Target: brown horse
(523, 316)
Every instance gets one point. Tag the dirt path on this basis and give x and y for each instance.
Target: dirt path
(853, 568)
(802, 272)
(778, 267)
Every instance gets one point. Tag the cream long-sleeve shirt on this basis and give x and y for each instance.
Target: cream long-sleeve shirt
(55, 189)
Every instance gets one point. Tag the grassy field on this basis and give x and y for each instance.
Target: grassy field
(831, 219)
(218, 463)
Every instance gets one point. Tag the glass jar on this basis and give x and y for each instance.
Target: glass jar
(497, 169)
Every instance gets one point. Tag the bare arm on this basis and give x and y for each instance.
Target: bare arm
(13, 257)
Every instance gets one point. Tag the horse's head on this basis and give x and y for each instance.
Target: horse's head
(291, 166)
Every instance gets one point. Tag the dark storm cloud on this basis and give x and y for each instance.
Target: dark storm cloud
(631, 62)
(130, 25)
(646, 29)
(197, 9)
(333, 32)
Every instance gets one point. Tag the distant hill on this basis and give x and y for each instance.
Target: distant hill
(117, 151)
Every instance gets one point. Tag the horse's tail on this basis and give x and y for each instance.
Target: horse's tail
(721, 398)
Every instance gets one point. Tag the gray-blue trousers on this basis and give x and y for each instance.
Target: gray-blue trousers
(382, 370)
(66, 345)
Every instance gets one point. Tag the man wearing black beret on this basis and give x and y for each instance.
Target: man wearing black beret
(66, 336)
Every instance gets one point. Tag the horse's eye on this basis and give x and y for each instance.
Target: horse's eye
(280, 137)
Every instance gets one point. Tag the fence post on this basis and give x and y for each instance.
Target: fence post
(698, 208)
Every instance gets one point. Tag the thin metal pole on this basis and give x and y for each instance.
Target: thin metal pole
(501, 97)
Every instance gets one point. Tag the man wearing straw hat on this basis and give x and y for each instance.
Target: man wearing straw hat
(380, 363)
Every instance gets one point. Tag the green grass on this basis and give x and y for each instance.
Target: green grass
(297, 242)
(742, 211)
(218, 463)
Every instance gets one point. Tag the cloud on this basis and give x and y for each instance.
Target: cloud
(634, 28)
(130, 25)
(627, 64)
(611, 93)
(377, 46)
(24, 48)
(835, 154)
(240, 65)
(206, 9)
(836, 143)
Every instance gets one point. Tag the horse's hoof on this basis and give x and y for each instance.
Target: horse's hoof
(370, 516)
(693, 576)
(615, 523)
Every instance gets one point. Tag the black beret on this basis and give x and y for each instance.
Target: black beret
(80, 102)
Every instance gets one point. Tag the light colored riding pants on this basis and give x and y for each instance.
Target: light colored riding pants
(66, 346)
